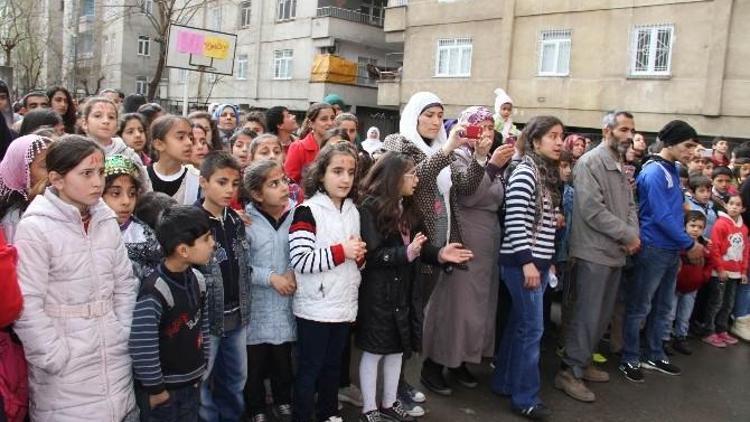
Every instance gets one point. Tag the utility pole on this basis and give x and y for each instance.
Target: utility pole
(70, 45)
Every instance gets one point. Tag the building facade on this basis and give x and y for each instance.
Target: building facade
(661, 59)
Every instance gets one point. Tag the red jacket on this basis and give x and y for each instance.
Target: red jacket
(301, 153)
(692, 277)
(729, 246)
(11, 300)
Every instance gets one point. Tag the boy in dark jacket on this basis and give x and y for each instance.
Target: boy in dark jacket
(169, 336)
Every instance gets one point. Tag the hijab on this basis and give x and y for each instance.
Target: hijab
(15, 169)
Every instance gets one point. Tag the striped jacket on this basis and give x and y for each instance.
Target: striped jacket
(525, 239)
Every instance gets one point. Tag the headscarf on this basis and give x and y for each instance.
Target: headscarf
(373, 129)
(15, 169)
(220, 109)
(118, 165)
(335, 99)
(475, 115)
(503, 126)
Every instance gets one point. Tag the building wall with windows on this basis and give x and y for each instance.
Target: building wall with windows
(661, 59)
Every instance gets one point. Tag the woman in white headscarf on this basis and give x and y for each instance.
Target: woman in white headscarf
(503, 110)
(372, 143)
(423, 138)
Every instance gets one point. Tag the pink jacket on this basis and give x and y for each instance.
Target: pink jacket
(79, 293)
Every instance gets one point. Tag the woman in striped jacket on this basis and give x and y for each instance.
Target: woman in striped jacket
(531, 200)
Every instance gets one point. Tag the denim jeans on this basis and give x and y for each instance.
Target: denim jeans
(654, 284)
(681, 312)
(742, 301)
(720, 304)
(224, 382)
(182, 406)
(320, 345)
(517, 362)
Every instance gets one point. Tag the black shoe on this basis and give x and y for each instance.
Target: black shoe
(432, 378)
(667, 346)
(397, 413)
(373, 416)
(662, 366)
(632, 372)
(463, 376)
(536, 413)
(681, 345)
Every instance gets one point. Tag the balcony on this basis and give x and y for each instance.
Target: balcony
(332, 23)
(350, 15)
(389, 92)
(395, 21)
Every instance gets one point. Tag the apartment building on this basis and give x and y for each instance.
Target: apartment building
(661, 59)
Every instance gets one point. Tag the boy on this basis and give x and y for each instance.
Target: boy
(690, 278)
(561, 256)
(169, 336)
(701, 201)
(720, 157)
(721, 177)
(228, 283)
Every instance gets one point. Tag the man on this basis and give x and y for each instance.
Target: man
(663, 236)
(604, 230)
(34, 100)
(283, 124)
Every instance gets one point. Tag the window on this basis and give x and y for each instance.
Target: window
(651, 53)
(287, 9)
(374, 10)
(282, 64)
(242, 67)
(363, 76)
(141, 85)
(215, 19)
(86, 45)
(88, 8)
(147, 7)
(453, 57)
(245, 8)
(554, 53)
(144, 45)
(180, 75)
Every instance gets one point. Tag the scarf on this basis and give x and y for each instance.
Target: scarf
(15, 169)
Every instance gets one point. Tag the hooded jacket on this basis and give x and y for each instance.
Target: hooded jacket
(79, 294)
(729, 246)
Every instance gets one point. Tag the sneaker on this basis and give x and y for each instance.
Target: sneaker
(283, 412)
(259, 417)
(594, 374)
(728, 339)
(397, 413)
(335, 419)
(714, 340)
(536, 412)
(412, 408)
(463, 376)
(632, 372)
(572, 386)
(432, 378)
(681, 345)
(598, 358)
(372, 416)
(404, 388)
(662, 366)
(351, 395)
(667, 346)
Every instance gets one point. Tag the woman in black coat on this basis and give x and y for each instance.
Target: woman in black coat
(387, 326)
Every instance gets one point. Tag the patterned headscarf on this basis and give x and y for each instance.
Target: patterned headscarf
(117, 165)
(15, 169)
(475, 115)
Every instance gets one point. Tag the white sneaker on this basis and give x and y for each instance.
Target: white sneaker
(416, 410)
(335, 419)
(351, 395)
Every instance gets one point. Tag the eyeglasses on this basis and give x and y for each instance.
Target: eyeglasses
(411, 174)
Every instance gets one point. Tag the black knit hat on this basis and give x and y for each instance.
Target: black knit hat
(676, 132)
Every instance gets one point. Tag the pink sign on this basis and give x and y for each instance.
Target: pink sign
(189, 43)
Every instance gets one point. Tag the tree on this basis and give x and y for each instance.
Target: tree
(22, 42)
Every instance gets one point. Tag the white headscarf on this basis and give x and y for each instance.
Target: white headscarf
(375, 130)
(502, 97)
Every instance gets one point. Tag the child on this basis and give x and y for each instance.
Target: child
(503, 110)
(388, 218)
(561, 240)
(335, 136)
(228, 280)
(271, 330)
(742, 169)
(348, 123)
(729, 253)
(22, 176)
(122, 186)
(150, 206)
(169, 340)
(240, 146)
(268, 147)
(133, 132)
(701, 201)
(302, 152)
(721, 178)
(708, 168)
(169, 174)
(325, 247)
(720, 156)
(690, 278)
(78, 305)
(200, 146)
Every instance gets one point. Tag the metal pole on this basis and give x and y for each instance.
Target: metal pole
(185, 96)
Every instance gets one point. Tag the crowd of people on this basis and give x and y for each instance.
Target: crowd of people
(223, 265)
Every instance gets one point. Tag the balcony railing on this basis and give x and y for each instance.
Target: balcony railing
(397, 3)
(350, 15)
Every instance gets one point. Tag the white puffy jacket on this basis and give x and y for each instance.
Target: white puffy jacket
(79, 293)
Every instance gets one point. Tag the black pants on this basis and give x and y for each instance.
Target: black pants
(275, 363)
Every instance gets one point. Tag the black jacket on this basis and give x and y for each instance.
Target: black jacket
(390, 304)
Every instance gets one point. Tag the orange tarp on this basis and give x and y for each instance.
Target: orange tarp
(330, 68)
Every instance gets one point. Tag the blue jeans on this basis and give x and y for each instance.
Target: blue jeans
(682, 311)
(742, 301)
(517, 362)
(182, 406)
(224, 382)
(654, 284)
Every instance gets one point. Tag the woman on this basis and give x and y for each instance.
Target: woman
(532, 198)
(576, 144)
(373, 143)
(227, 118)
(460, 315)
(62, 102)
(422, 137)
(318, 120)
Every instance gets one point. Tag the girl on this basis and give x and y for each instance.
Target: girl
(335, 136)
(78, 305)
(23, 175)
(203, 119)
(349, 123)
(503, 110)
(388, 219)
(268, 147)
(325, 250)
(302, 152)
(122, 187)
(532, 196)
(271, 329)
(226, 117)
(240, 145)
(169, 174)
(200, 146)
(99, 122)
(132, 130)
(62, 103)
